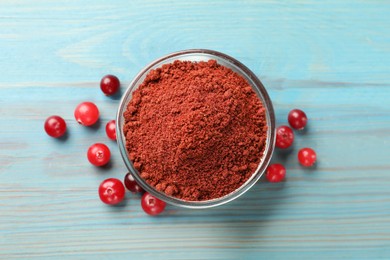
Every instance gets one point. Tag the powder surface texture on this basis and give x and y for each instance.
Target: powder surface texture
(195, 130)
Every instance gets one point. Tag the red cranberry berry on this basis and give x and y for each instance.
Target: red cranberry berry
(110, 130)
(297, 119)
(284, 137)
(111, 191)
(55, 126)
(86, 113)
(98, 154)
(275, 173)
(132, 185)
(152, 205)
(109, 85)
(307, 157)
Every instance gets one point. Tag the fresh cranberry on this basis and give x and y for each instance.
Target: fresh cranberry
(111, 191)
(275, 172)
(307, 157)
(297, 119)
(132, 185)
(99, 154)
(110, 130)
(284, 137)
(152, 205)
(109, 85)
(55, 126)
(86, 113)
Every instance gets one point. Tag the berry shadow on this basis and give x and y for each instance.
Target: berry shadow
(120, 206)
(281, 155)
(309, 169)
(103, 169)
(95, 126)
(275, 186)
(108, 166)
(64, 137)
(304, 131)
(117, 95)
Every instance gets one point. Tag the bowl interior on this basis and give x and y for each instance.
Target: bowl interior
(195, 56)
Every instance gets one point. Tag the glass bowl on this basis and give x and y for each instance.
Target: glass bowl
(227, 61)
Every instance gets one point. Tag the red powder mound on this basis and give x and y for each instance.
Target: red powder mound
(195, 130)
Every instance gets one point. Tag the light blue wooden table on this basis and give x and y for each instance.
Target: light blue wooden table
(330, 58)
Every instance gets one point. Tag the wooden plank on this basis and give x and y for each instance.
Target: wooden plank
(329, 58)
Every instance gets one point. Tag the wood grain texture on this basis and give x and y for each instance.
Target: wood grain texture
(330, 58)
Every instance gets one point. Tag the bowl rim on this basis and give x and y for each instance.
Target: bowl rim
(256, 85)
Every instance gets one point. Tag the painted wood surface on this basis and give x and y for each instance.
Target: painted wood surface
(330, 58)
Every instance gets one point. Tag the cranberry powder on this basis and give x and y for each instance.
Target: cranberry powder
(195, 130)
